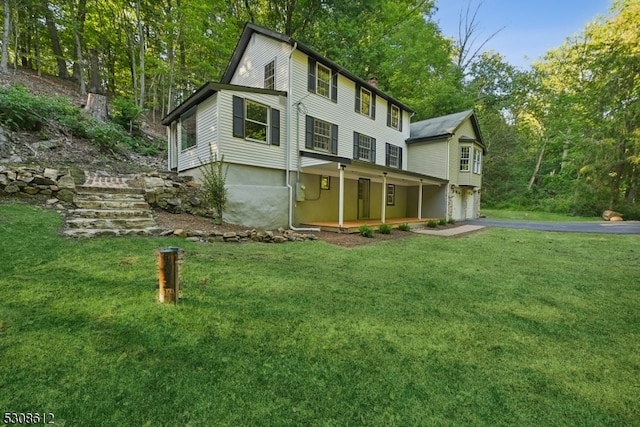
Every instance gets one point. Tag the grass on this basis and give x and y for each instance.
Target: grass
(503, 327)
(534, 216)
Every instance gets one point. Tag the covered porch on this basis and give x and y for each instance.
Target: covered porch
(340, 194)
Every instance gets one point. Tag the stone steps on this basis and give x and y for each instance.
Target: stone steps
(104, 210)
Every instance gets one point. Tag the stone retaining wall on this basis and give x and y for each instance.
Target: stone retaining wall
(31, 181)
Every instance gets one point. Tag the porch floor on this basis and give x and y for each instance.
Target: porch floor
(352, 226)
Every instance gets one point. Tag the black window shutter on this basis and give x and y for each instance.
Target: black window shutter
(388, 114)
(387, 147)
(400, 158)
(334, 87)
(311, 86)
(308, 141)
(373, 105)
(373, 150)
(400, 119)
(238, 117)
(275, 127)
(334, 139)
(355, 145)
(357, 98)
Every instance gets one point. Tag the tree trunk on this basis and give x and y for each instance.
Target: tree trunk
(536, 170)
(83, 87)
(141, 40)
(97, 106)
(63, 73)
(94, 72)
(5, 38)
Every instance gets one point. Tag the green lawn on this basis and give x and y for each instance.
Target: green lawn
(503, 327)
(534, 215)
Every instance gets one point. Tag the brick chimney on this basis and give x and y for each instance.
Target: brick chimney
(373, 81)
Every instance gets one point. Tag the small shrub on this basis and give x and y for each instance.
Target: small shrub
(385, 229)
(365, 230)
(432, 223)
(127, 114)
(451, 221)
(404, 227)
(442, 221)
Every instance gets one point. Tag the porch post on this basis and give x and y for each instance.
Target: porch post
(384, 197)
(341, 197)
(420, 201)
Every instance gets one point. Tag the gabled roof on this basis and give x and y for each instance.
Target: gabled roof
(250, 29)
(205, 92)
(444, 127)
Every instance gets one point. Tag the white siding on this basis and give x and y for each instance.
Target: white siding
(457, 177)
(242, 151)
(429, 158)
(343, 114)
(260, 51)
(207, 136)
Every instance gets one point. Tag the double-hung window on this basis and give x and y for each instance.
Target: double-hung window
(465, 153)
(188, 129)
(270, 75)
(322, 80)
(364, 147)
(365, 102)
(321, 135)
(256, 122)
(477, 161)
(394, 116)
(393, 156)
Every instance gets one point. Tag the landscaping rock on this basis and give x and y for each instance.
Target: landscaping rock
(66, 182)
(65, 195)
(180, 232)
(608, 215)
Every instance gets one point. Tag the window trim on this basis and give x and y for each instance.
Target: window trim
(357, 146)
(191, 113)
(310, 123)
(391, 195)
(312, 81)
(362, 92)
(270, 75)
(465, 160)
(395, 108)
(266, 124)
(322, 67)
(239, 114)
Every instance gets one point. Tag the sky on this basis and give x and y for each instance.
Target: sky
(532, 27)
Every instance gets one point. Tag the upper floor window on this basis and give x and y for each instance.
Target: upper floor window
(270, 75)
(364, 147)
(321, 135)
(365, 102)
(322, 80)
(394, 116)
(188, 129)
(255, 122)
(393, 156)
(465, 153)
(477, 161)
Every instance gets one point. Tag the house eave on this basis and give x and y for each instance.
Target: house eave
(206, 91)
(250, 29)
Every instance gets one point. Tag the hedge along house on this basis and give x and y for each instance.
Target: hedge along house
(307, 142)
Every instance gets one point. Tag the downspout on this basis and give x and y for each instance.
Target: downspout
(289, 144)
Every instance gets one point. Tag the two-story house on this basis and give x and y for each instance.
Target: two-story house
(309, 144)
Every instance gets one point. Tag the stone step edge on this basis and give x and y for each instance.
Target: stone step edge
(88, 189)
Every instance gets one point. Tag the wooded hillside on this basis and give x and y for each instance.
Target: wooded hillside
(563, 136)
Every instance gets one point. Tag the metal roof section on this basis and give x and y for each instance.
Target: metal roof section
(444, 127)
(248, 31)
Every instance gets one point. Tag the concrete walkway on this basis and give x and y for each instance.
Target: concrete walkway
(449, 232)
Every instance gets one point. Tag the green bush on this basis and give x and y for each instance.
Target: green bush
(432, 223)
(442, 221)
(365, 230)
(404, 227)
(451, 221)
(385, 229)
(20, 110)
(127, 114)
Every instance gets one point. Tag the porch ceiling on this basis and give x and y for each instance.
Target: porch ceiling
(372, 172)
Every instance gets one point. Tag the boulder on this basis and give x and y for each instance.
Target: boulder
(65, 195)
(66, 182)
(616, 218)
(11, 188)
(51, 173)
(180, 232)
(607, 215)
